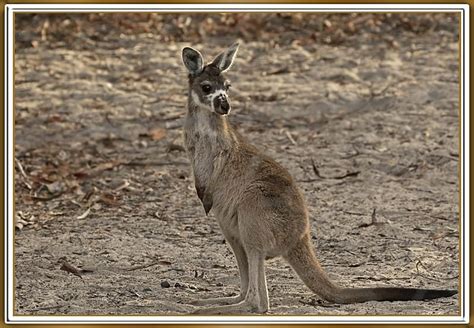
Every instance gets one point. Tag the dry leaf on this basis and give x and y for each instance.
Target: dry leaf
(108, 199)
(97, 170)
(21, 220)
(20, 223)
(125, 184)
(45, 199)
(97, 206)
(85, 214)
(55, 187)
(54, 118)
(157, 134)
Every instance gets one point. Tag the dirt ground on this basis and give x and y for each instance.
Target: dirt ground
(368, 126)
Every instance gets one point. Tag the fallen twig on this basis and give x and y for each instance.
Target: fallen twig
(23, 173)
(314, 302)
(65, 266)
(124, 185)
(47, 198)
(107, 118)
(353, 213)
(348, 174)
(340, 177)
(315, 169)
(355, 265)
(97, 170)
(85, 214)
(373, 222)
(349, 156)
(282, 70)
(374, 94)
(288, 134)
(420, 264)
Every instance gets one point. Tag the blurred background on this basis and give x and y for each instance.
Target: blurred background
(278, 29)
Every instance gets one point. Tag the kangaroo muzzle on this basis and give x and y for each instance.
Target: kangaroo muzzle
(221, 104)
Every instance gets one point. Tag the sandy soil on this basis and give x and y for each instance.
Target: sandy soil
(106, 185)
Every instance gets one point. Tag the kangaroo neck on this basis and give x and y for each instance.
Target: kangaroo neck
(209, 140)
(210, 128)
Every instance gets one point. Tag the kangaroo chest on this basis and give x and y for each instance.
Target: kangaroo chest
(207, 152)
(201, 143)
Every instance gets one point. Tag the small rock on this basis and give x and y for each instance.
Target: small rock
(178, 285)
(147, 289)
(165, 284)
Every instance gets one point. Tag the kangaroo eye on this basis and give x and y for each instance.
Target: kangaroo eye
(206, 88)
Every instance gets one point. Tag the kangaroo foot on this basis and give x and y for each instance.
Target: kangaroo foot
(218, 301)
(239, 308)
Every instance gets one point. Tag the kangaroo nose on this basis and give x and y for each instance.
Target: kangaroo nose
(225, 106)
(221, 104)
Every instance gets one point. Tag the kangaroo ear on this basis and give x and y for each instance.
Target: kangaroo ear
(192, 59)
(225, 59)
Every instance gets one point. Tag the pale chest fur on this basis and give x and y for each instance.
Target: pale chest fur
(207, 143)
(213, 147)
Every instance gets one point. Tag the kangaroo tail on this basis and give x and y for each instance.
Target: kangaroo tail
(303, 260)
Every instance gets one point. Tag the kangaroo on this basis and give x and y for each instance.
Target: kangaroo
(259, 208)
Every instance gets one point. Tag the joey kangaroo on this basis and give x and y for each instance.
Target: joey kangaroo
(260, 210)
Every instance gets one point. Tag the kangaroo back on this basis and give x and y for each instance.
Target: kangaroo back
(303, 260)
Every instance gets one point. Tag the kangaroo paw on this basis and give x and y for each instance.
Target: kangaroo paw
(239, 308)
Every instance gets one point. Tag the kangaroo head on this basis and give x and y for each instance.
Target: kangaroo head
(208, 87)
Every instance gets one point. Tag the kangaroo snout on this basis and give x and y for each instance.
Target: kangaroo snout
(221, 105)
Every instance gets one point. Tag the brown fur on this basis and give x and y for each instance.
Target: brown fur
(262, 214)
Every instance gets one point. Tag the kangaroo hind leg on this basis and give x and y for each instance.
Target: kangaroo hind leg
(243, 265)
(256, 298)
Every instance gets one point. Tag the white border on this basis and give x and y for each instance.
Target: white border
(465, 174)
(237, 7)
(9, 231)
(9, 162)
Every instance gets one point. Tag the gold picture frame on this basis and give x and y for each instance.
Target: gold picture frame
(11, 10)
